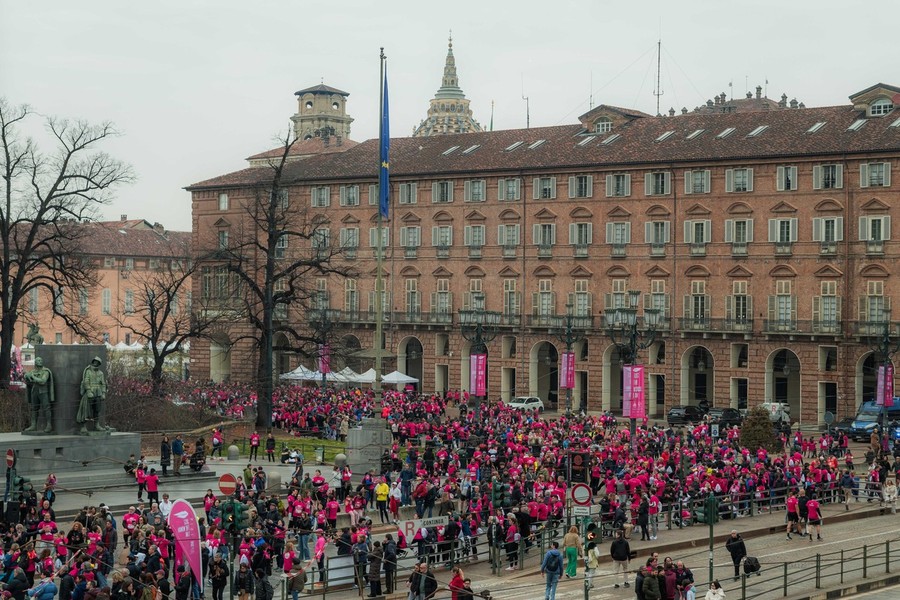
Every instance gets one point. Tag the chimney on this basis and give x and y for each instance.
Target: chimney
(684, 110)
(759, 91)
(716, 98)
(749, 95)
(724, 98)
(671, 112)
(802, 105)
(326, 141)
(123, 218)
(783, 103)
(710, 102)
(157, 227)
(793, 103)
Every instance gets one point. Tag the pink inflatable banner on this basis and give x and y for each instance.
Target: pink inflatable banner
(184, 526)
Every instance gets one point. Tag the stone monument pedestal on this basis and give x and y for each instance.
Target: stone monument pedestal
(42, 454)
(366, 444)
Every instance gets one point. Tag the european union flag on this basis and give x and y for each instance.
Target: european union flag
(384, 186)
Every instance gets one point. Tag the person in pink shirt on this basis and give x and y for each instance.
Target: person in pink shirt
(140, 476)
(319, 554)
(152, 483)
(814, 516)
(332, 508)
(254, 446)
(288, 557)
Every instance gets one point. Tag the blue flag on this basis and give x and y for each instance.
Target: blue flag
(384, 187)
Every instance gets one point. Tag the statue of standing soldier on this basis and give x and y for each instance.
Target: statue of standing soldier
(93, 394)
(39, 383)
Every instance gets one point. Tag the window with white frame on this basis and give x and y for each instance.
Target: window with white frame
(349, 195)
(279, 287)
(828, 177)
(876, 174)
(474, 236)
(657, 184)
(223, 239)
(785, 309)
(875, 304)
(373, 194)
(656, 232)
(281, 245)
(442, 235)
(321, 239)
(785, 178)
(826, 306)
(546, 301)
(223, 201)
(105, 301)
(697, 306)
(129, 302)
(320, 301)
(59, 302)
(738, 180)
(109, 262)
(875, 228)
(83, 299)
(880, 107)
(511, 303)
(413, 299)
(828, 229)
(349, 237)
(738, 231)
(476, 293)
(739, 304)
(544, 188)
(441, 302)
(618, 185)
(580, 234)
(509, 189)
(581, 299)
(129, 264)
(385, 237)
(410, 236)
(618, 297)
(351, 296)
(442, 192)
(544, 234)
(697, 181)
(508, 235)
(698, 231)
(783, 231)
(33, 296)
(320, 196)
(474, 190)
(408, 193)
(618, 233)
(283, 199)
(581, 186)
(657, 299)
(603, 125)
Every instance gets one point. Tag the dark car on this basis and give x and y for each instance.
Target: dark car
(725, 417)
(681, 415)
(842, 426)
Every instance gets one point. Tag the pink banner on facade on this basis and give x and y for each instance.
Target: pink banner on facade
(633, 404)
(567, 372)
(879, 386)
(478, 374)
(324, 358)
(889, 385)
(186, 531)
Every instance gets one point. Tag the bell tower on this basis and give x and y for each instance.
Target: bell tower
(321, 112)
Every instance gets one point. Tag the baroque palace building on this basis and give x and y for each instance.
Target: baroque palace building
(760, 228)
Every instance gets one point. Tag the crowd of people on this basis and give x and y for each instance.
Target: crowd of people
(500, 476)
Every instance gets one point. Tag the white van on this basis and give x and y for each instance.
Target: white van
(779, 412)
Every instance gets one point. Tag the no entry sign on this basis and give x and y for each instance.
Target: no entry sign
(227, 484)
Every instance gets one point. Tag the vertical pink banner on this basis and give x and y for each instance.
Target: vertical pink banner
(186, 530)
(478, 374)
(879, 387)
(889, 385)
(324, 358)
(634, 406)
(567, 371)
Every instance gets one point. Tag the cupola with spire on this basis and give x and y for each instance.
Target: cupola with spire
(449, 110)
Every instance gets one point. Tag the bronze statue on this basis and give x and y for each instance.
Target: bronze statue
(93, 394)
(39, 383)
(34, 336)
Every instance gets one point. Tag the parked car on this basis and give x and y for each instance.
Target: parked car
(681, 415)
(526, 403)
(725, 417)
(842, 426)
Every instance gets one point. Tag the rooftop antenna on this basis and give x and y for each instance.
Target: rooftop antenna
(766, 91)
(658, 91)
(591, 97)
(731, 89)
(527, 106)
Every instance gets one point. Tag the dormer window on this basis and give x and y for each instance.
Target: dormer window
(603, 125)
(881, 107)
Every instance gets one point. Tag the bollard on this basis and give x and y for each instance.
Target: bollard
(233, 453)
(743, 586)
(842, 566)
(784, 583)
(887, 556)
(818, 571)
(521, 553)
(865, 561)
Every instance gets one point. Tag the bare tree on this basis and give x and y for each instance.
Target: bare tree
(46, 195)
(275, 257)
(163, 315)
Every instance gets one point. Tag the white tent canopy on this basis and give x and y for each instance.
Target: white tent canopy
(345, 375)
(301, 373)
(367, 377)
(398, 378)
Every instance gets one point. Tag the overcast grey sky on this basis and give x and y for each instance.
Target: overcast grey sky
(196, 86)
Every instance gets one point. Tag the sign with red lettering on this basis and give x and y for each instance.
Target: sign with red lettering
(567, 371)
(633, 405)
(324, 358)
(478, 374)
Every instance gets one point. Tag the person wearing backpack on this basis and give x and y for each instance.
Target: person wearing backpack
(591, 562)
(552, 569)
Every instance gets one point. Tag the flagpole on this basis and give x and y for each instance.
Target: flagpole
(379, 241)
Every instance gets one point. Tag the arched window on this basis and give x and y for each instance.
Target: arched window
(602, 125)
(880, 107)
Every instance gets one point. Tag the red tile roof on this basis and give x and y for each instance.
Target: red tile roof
(121, 238)
(310, 147)
(786, 136)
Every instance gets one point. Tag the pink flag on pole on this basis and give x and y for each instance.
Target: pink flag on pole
(324, 358)
(567, 372)
(186, 530)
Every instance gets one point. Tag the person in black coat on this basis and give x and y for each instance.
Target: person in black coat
(18, 584)
(218, 575)
(66, 584)
(183, 586)
(165, 455)
(737, 550)
(643, 519)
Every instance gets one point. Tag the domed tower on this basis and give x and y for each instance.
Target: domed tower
(449, 111)
(321, 112)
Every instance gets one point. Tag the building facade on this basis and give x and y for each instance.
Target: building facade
(760, 231)
(122, 252)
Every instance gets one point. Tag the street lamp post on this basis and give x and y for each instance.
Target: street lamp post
(323, 324)
(884, 348)
(570, 330)
(479, 327)
(630, 336)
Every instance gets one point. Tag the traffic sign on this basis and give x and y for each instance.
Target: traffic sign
(581, 511)
(227, 484)
(410, 526)
(10, 458)
(581, 494)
